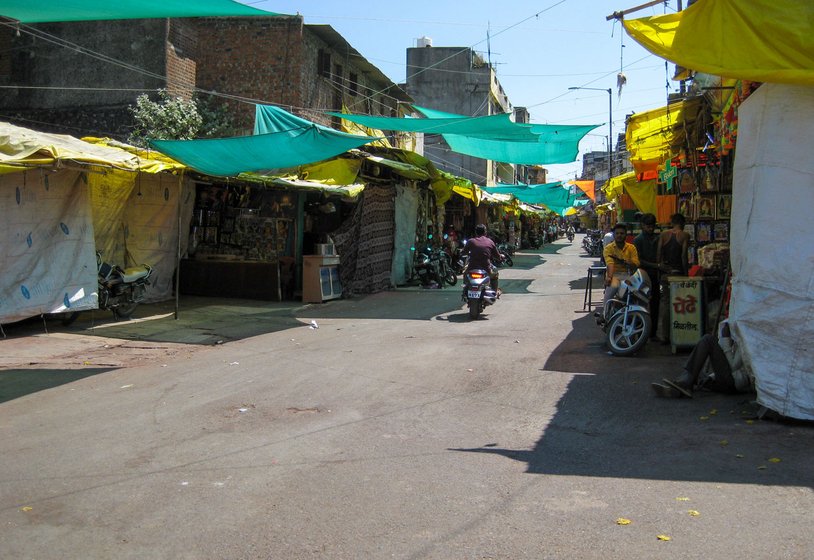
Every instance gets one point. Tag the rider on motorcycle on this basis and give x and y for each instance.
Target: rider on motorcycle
(483, 254)
(570, 232)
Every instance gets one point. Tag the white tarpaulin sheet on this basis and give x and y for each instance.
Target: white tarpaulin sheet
(46, 244)
(407, 200)
(772, 304)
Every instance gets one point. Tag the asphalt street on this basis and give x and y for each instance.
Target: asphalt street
(385, 426)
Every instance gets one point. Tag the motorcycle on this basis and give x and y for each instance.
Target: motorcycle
(477, 292)
(570, 237)
(120, 289)
(592, 243)
(625, 317)
(433, 266)
(506, 251)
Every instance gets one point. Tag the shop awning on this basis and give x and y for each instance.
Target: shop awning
(654, 136)
(40, 11)
(22, 148)
(758, 40)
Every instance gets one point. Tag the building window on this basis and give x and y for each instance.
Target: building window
(353, 84)
(324, 63)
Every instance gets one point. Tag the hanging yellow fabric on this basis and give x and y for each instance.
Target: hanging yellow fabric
(758, 40)
(654, 136)
(615, 186)
(643, 195)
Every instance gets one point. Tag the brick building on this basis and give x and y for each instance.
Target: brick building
(79, 78)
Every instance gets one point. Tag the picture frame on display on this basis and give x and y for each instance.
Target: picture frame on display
(720, 232)
(703, 232)
(724, 205)
(690, 229)
(705, 208)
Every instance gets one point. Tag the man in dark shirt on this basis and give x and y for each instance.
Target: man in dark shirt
(483, 254)
(647, 245)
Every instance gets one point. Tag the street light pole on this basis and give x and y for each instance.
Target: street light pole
(610, 125)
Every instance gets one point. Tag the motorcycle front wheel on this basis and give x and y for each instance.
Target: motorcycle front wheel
(474, 308)
(626, 337)
(450, 277)
(507, 260)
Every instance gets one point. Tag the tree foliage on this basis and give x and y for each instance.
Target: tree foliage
(175, 118)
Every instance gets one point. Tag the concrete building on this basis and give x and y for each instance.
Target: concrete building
(458, 80)
(80, 78)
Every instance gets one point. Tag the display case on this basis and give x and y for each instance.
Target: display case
(320, 279)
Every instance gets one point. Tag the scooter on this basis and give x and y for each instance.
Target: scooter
(570, 237)
(120, 289)
(625, 317)
(477, 292)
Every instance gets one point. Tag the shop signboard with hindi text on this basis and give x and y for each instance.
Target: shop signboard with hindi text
(686, 311)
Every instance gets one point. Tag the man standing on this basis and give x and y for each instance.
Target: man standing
(647, 246)
(621, 258)
(672, 258)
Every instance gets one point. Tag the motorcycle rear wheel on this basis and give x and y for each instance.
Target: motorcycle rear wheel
(124, 311)
(474, 308)
(626, 338)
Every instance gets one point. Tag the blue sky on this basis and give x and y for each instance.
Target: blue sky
(540, 49)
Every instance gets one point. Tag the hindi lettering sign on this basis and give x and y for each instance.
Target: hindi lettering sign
(686, 311)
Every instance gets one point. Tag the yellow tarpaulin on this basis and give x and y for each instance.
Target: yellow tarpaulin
(642, 193)
(22, 147)
(757, 40)
(654, 136)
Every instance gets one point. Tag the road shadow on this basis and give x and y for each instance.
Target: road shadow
(16, 383)
(201, 320)
(609, 423)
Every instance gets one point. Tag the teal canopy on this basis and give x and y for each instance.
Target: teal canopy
(493, 137)
(556, 143)
(554, 196)
(495, 127)
(290, 141)
(40, 11)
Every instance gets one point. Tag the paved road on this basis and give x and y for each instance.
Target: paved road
(397, 429)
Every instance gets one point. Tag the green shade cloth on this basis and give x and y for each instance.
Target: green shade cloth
(269, 119)
(554, 196)
(493, 137)
(40, 11)
(496, 127)
(292, 141)
(556, 143)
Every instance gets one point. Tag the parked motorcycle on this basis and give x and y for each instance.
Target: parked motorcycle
(506, 251)
(625, 318)
(592, 243)
(434, 266)
(477, 292)
(120, 289)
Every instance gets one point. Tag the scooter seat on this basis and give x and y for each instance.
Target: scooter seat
(136, 273)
